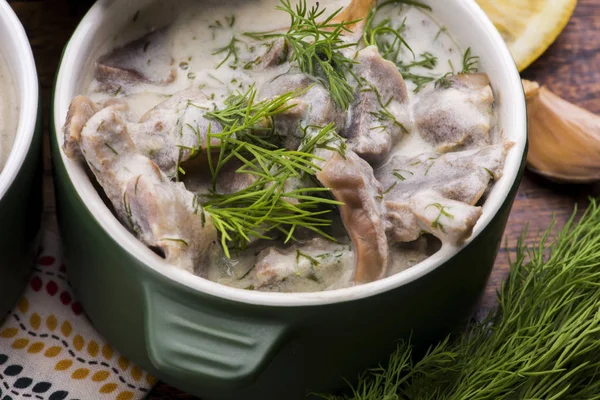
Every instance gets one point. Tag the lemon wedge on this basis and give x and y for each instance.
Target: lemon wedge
(529, 27)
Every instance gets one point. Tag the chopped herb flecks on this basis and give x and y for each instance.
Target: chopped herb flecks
(436, 224)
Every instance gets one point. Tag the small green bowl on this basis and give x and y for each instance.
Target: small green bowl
(21, 177)
(218, 342)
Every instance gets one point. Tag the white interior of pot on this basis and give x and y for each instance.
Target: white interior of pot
(464, 20)
(15, 47)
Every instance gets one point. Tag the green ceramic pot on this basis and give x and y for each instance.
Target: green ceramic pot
(223, 343)
(20, 179)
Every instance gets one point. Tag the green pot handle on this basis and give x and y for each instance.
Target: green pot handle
(207, 346)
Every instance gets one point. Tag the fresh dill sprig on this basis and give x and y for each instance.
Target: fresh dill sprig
(388, 39)
(413, 3)
(315, 43)
(383, 114)
(380, 34)
(427, 61)
(318, 137)
(241, 119)
(470, 62)
(444, 81)
(313, 261)
(419, 80)
(470, 65)
(269, 203)
(244, 122)
(230, 50)
(541, 342)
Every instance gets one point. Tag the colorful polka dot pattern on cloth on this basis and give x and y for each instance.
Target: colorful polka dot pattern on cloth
(49, 350)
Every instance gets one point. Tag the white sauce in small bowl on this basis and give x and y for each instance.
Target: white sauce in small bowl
(9, 111)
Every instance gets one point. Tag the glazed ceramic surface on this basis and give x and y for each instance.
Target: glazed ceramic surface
(224, 343)
(20, 180)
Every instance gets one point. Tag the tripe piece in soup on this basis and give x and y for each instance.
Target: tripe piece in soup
(259, 145)
(9, 111)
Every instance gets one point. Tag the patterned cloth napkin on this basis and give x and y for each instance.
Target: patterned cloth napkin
(50, 351)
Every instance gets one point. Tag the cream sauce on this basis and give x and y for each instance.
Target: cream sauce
(9, 112)
(198, 35)
(198, 32)
(424, 34)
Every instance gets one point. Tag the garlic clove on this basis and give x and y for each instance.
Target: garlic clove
(564, 139)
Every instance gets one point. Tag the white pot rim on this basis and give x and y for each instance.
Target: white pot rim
(15, 47)
(474, 23)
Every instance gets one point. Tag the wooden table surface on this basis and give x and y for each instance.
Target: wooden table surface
(570, 68)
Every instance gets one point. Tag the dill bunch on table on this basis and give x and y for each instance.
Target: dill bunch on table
(541, 342)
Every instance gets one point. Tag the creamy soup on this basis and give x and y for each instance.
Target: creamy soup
(8, 112)
(274, 146)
